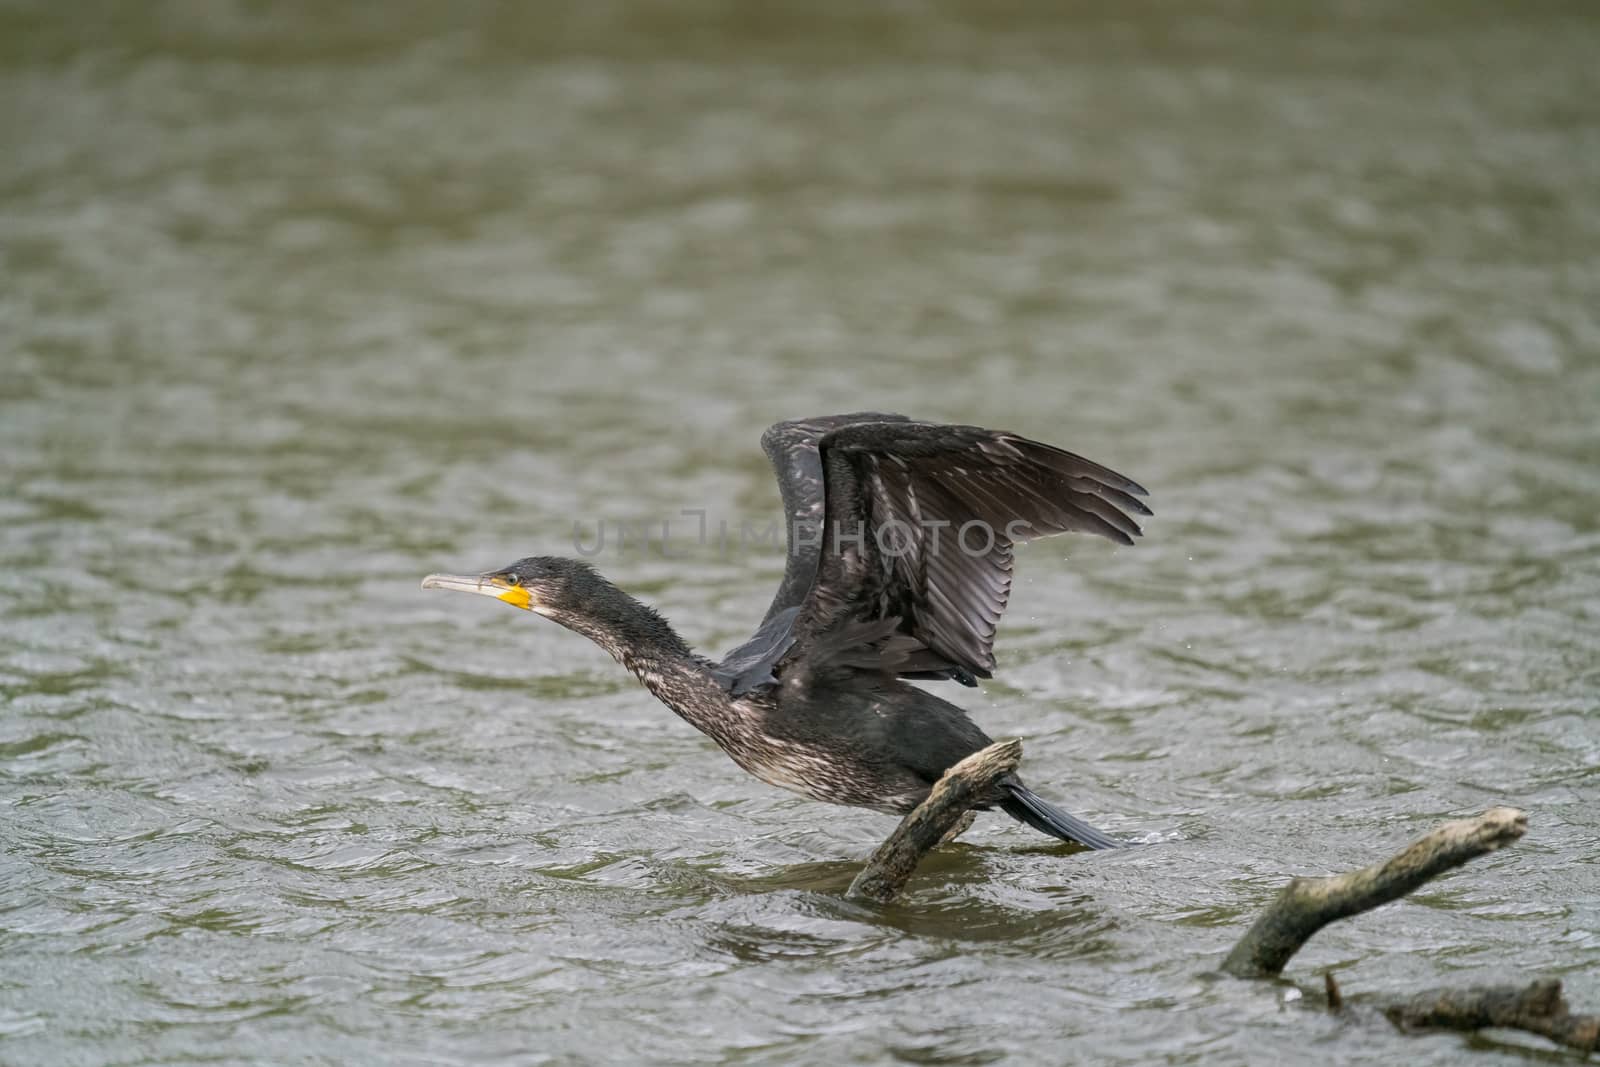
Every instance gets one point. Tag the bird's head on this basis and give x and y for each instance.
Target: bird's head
(549, 585)
(570, 592)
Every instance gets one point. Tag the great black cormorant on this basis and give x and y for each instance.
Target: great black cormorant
(900, 538)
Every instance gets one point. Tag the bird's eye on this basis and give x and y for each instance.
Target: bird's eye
(512, 579)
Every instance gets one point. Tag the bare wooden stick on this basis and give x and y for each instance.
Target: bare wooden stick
(1306, 905)
(891, 863)
(1538, 1008)
(961, 826)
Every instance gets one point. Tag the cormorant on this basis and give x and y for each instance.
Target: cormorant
(900, 538)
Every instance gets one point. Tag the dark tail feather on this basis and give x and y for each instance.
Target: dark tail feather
(1024, 805)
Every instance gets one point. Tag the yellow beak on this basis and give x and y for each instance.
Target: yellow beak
(484, 585)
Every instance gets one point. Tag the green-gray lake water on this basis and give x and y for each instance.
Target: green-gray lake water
(301, 302)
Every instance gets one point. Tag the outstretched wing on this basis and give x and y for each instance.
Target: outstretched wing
(913, 524)
(797, 461)
(919, 524)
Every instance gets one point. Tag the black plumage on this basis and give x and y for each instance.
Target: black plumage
(900, 537)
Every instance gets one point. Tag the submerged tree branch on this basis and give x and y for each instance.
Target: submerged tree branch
(1538, 1008)
(891, 864)
(1306, 905)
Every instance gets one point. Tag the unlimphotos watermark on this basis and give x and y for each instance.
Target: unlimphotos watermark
(890, 539)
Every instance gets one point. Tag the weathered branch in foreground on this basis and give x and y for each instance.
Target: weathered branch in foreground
(1306, 905)
(892, 863)
(1538, 1008)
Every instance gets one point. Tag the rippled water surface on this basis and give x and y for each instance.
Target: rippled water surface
(300, 306)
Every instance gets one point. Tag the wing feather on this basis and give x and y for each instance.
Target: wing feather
(938, 510)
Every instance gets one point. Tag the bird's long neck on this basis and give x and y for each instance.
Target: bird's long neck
(637, 637)
(631, 631)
